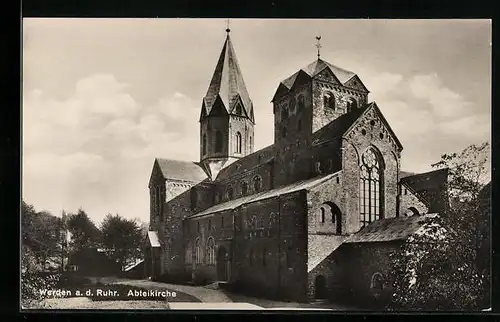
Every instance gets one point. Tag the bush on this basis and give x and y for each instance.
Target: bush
(33, 281)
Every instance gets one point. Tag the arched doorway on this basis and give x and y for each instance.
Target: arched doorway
(223, 266)
(320, 287)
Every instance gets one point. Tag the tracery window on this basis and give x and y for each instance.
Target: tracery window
(369, 188)
(211, 251)
(238, 142)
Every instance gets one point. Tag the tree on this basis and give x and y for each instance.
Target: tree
(41, 232)
(84, 233)
(121, 238)
(437, 269)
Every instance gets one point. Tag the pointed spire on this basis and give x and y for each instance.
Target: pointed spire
(227, 82)
(227, 28)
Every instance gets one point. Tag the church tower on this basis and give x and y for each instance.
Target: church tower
(227, 116)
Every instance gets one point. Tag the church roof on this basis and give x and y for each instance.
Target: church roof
(319, 247)
(246, 163)
(227, 83)
(297, 186)
(337, 128)
(389, 229)
(181, 170)
(316, 67)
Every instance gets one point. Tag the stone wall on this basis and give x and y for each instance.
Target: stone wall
(407, 200)
(369, 132)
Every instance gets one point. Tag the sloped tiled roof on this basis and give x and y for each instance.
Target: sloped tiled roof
(319, 247)
(389, 229)
(315, 68)
(181, 170)
(297, 186)
(227, 83)
(246, 163)
(339, 126)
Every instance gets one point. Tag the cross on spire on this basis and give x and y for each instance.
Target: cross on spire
(227, 26)
(318, 44)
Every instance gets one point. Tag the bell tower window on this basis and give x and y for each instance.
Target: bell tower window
(301, 102)
(352, 104)
(238, 142)
(218, 141)
(329, 101)
(204, 144)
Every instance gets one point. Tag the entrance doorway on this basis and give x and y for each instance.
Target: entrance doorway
(223, 265)
(320, 287)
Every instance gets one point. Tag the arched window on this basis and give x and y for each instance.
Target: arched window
(257, 183)
(211, 251)
(238, 142)
(260, 222)
(352, 104)
(329, 101)
(209, 225)
(301, 102)
(369, 187)
(204, 144)
(292, 104)
(197, 251)
(322, 215)
(284, 112)
(218, 141)
(250, 141)
(244, 187)
(377, 285)
(229, 192)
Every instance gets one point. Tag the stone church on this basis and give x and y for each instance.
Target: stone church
(313, 215)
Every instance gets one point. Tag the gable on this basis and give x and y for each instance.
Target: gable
(155, 173)
(356, 84)
(237, 108)
(301, 79)
(326, 75)
(218, 109)
(372, 117)
(282, 89)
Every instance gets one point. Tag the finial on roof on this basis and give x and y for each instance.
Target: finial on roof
(318, 44)
(227, 28)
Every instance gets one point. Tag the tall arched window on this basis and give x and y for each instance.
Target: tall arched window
(322, 215)
(211, 251)
(300, 102)
(329, 101)
(204, 144)
(229, 192)
(197, 251)
(218, 141)
(284, 112)
(238, 142)
(369, 187)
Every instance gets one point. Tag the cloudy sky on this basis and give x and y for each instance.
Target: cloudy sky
(103, 97)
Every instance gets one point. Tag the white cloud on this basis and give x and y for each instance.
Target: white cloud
(444, 102)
